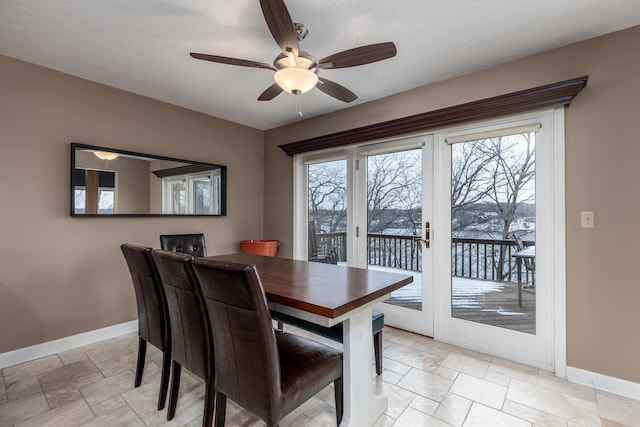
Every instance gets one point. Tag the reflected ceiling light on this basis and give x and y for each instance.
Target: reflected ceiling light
(105, 155)
(296, 74)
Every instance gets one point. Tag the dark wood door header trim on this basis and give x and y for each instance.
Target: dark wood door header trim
(551, 95)
(183, 170)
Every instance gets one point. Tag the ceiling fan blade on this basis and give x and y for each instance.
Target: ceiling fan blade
(337, 91)
(359, 56)
(271, 92)
(280, 24)
(231, 61)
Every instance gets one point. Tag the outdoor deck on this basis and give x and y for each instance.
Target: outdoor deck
(494, 304)
(485, 282)
(479, 301)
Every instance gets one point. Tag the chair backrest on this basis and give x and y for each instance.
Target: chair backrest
(190, 244)
(246, 355)
(312, 241)
(191, 343)
(518, 241)
(319, 253)
(153, 315)
(528, 262)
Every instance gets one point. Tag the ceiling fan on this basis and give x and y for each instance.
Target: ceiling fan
(296, 71)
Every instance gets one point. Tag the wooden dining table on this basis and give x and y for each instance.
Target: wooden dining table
(328, 294)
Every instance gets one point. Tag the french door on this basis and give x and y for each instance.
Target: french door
(367, 207)
(498, 226)
(460, 210)
(393, 211)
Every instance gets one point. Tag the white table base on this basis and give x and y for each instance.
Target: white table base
(361, 406)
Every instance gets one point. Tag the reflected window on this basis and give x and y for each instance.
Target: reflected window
(94, 192)
(191, 194)
(106, 200)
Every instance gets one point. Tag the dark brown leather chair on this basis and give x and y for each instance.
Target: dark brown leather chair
(190, 244)
(269, 373)
(191, 342)
(330, 256)
(153, 314)
(336, 332)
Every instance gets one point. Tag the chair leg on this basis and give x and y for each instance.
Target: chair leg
(338, 394)
(142, 353)
(209, 404)
(175, 387)
(377, 350)
(220, 409)
(533, 277)
(164, 379)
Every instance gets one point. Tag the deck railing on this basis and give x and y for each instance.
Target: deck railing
(395, 251)
(337, 241)
(483, 259)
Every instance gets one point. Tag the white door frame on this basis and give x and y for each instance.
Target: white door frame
(300, 196)
(546, 349)
(556, 263)
(419, 321)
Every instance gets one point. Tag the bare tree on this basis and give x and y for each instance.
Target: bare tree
(394, 184)
(492, 181)
(500, 170)
(327, 196)
(470, 183)
(513, 172)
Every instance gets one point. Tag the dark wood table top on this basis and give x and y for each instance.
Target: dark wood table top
(323, 289)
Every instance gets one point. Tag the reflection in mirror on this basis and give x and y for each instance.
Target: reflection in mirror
(114, 182)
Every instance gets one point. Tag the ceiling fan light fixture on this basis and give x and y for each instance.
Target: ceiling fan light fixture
(296, 71)
(296, 80)
(105, 155)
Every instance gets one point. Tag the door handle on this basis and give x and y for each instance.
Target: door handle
(427, 235)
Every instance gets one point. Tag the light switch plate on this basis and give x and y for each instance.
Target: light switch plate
(587, 219)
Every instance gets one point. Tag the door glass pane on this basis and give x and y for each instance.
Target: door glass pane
(80, 200)
(202, 196)
(493, 231)
(106, 200)
(178, 194)
(394, 220)
(327, 212)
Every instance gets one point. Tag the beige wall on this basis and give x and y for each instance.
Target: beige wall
(60, 275)
(602, 158)
(132, 186)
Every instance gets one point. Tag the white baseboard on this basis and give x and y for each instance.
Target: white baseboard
(603, 382)
(26, 354)
(579, 376)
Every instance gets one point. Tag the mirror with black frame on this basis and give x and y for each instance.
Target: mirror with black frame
(110, 182)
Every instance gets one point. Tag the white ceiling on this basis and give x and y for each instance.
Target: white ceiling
(143, 46)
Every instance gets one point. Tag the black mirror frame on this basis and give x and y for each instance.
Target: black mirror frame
(78, 146)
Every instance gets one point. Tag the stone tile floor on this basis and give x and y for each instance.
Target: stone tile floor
(428, 384)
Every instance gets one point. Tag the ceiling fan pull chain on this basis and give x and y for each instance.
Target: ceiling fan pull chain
(299, 104)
